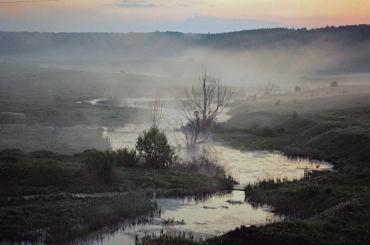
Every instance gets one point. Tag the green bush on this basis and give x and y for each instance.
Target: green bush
(101, 164)
(127, 157)
(154, 148)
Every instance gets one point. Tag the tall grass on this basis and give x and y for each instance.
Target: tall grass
(201, 165)
(61, 221)
(170, 238)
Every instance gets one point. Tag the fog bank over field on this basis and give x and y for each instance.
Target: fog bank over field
(239, 58)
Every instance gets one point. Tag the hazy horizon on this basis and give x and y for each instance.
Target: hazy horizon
(184, 32)
(194, 16)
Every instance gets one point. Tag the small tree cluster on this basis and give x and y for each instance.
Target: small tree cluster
(152, 150)
(153, 147)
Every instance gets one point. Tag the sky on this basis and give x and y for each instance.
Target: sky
(196, 16)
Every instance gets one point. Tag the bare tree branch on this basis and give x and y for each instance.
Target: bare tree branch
(157, 111)
(201, 107)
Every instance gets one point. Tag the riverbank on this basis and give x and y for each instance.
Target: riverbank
(324, 207)
(53, 198)
(331, 207)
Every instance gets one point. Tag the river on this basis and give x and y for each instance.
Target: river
(216, 214)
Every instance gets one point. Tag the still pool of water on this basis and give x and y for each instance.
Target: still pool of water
(207, 218)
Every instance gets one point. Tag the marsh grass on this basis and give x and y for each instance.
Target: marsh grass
(50, 213)
(170, 238)
(340, 136)
(65, 220)
(207, 167)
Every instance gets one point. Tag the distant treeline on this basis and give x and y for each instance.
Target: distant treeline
(13, 43)
(350, 44)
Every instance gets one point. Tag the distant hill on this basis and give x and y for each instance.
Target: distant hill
(15, 43)
(351, 42)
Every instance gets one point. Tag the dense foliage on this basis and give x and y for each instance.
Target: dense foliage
(154, 148)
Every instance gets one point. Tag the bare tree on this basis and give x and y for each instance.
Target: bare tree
(157, 112)
(270, 88)
(201, 107)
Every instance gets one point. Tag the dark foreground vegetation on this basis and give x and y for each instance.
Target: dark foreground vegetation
(171, 238)
(63, 218)
(47, 197)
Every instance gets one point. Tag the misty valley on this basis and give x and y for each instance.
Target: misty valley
(250, 137)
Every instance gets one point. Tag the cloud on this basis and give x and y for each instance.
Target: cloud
(135, 4)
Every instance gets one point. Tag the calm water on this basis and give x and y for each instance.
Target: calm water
(214, 216)
(217, 214)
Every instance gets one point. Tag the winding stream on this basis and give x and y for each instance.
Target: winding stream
(219, 213)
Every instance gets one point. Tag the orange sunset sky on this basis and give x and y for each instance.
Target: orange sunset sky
(177, 15)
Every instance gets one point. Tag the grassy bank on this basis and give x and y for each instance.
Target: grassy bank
(45, 172)
(44, 196)
(339, 136)
(62, 220)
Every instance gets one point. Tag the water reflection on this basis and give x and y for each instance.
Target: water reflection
(213, 216)
(247, 167)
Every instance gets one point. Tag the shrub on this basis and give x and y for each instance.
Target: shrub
(267, 132)
(127, 157)
(101, 164)
(202, 165)
(34, 172)
(154, 148)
